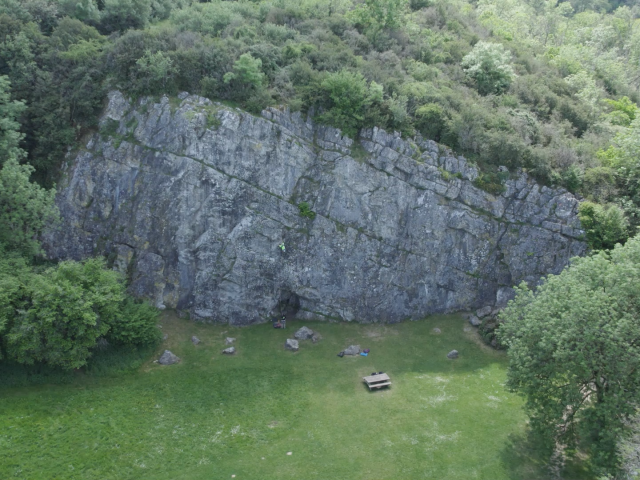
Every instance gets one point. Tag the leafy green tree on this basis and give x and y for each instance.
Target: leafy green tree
(604, 226)
(488, 66)
(26, 209)
(246, 75)
(623, 111)
(135, 324)
(348, 96)
(68, 308)
(120, 15)
(431, 120)
(155, 71)
(10, 136)
(375, 15)
(574, 350)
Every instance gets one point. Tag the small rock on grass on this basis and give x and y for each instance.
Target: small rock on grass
(475, 321)
(436, 331)
(229, 351)
(229, 340)
(316, 337)
(352, 350)
(195, 340)
(453, 354)
(168, 358)
(291, 344)
(303, 333)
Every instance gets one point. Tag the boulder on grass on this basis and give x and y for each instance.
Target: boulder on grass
(291, 344)
(352, 350)
(304, 333)
(229, 340)
(475, 321)
(483, 312)
(316, 337)
(168, 358)
(453, 354)
(195, 340)
(229, 351)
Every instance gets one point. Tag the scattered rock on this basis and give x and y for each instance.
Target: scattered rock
(352, 350)
(483, 312)
(291, 344)
(229, 340)
(475, 321)
(289, 453)
(195, 340)
(436, 331)
(304, 333)
(316, 337)
(168, 358)
(165, 336)
(452, 354)
(229, 351)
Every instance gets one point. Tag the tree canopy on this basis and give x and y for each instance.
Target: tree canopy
(574, 350)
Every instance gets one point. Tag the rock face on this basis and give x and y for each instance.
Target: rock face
(192, 200)
(168, 358)
(303, 333)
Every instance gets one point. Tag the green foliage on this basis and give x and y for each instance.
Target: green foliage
(120, 15)
(375, 15)
(154, 72)
(431, 121)
(574, 346)
(488, 65)
(604, 226)
(135, 324)
(58, 316)
(623, 111)
(305, 211)
(10, 136)
(26, 209)
(246, 76)
(348, 97)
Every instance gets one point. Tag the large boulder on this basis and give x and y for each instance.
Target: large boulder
(168, 358)
(304, 333)
(483, 312)
(352, 350)
(291, 344)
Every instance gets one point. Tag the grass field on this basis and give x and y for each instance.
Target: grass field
(214, 416)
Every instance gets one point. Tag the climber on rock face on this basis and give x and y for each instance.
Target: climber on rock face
(282, 247)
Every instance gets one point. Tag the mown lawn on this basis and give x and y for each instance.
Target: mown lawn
(214, 416)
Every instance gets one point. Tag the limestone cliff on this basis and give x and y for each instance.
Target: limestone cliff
(191, 200)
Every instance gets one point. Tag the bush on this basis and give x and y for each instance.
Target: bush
(488, 66)
(604, 226)
(135, 324)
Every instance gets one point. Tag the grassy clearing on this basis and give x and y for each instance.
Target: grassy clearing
(213, 416)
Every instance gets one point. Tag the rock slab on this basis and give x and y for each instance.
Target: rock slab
(195, 213)
(291, 344)
(303, 333)
(168, 358)
(352, 350)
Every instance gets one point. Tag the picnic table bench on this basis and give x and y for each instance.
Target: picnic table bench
(377, 381)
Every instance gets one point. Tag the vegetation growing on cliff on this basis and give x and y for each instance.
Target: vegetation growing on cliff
(550, 86)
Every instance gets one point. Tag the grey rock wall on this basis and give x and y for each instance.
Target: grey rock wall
(192, 199)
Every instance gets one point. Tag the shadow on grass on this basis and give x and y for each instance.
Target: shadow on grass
(526, 458)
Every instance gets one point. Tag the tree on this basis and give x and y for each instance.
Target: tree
(488, 66)
(246, 75)
(154, 71)
(58, 316)
(26, 209)
(120, 15)
(10, 136)
(604, 226)
(574, 350)
(348, 96)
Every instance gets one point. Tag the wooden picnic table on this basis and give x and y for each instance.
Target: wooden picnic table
(377, 381)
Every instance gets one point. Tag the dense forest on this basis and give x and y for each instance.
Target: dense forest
(543, 86)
